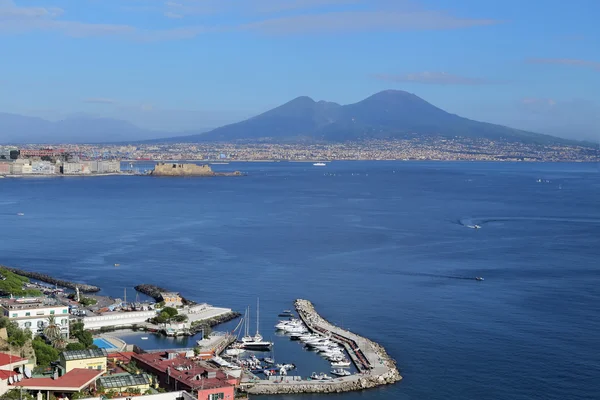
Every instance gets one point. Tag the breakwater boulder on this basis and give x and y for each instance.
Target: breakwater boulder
(155, 291)
(175, 169)
(53, 281)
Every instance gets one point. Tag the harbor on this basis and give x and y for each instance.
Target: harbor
(374, 367)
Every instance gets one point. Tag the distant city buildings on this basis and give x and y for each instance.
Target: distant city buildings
(106, 159)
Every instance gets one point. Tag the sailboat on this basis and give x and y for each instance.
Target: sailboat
(255, 342)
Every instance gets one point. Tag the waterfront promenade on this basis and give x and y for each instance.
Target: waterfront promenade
(375, 366)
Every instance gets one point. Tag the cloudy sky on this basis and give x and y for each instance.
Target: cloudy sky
(186, 64)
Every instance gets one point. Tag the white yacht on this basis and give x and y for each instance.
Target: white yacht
(255, 342)
(319, 164)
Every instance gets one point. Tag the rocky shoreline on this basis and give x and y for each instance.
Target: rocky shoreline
(85, 288)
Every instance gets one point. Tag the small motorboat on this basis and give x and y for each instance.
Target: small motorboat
(269, 360)
(479, 278)
(286, 313)
(341, 372)
(20, 214)
(144, 337)
(116, 264)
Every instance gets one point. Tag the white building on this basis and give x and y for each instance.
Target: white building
(33, 314)
(43, 167)
(72, 168)
(103, 166)
(117, 319)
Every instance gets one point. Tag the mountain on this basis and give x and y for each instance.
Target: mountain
(79, 129)
(387, 114)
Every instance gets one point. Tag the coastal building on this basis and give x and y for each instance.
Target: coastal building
(33, 313)
(20, 166)
(71, 168)
(11, 369)
(83, 359)
(171, 299)
(49, 152)
(176, 372)
(103, 166)
(4, 167)
(43, 167)
(117, 319)
(125, 382)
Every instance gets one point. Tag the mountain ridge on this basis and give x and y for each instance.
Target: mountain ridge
(387, 114)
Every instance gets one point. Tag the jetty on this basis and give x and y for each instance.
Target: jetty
(155, 292)
(375, 366)
(58, 282)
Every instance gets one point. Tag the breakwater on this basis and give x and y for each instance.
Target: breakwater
(375, 366)
(155, 291)
(58, 282)
(219, 319)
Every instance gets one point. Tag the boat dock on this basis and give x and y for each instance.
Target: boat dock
(375, 366)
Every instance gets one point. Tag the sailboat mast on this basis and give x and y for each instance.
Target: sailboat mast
(257, 314)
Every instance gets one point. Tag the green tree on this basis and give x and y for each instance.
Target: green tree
(171, 311)
(85, 338)
(44, 353)
(179, 318)
(14, 154)
(16, 336)
(16, 394)
(75, 346)
(52, 329)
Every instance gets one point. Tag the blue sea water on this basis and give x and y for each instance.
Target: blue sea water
(381, 248)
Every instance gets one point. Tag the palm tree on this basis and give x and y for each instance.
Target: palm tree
(59, 343)
(52, 330)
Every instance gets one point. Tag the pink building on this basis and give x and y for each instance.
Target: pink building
(4, 168)
(177, 372)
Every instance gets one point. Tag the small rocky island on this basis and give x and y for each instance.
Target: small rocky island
(176, 169)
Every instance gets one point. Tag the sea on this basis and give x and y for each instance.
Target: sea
(386, 249)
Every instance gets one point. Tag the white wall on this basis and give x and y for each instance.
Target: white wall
(117, 319)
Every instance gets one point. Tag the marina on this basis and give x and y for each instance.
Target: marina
(374, 366)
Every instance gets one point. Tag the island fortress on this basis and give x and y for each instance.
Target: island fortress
(189, 169)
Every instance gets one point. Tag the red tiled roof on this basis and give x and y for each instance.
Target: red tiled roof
(4, 375)
(124, 356)
(188, 376)
(76, 379)
(6, 359)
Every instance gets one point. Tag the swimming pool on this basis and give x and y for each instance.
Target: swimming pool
(104, 344)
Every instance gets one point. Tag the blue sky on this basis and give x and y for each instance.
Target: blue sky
(184, 64)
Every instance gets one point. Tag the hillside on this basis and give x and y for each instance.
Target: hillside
(387, 114)
(16, 128)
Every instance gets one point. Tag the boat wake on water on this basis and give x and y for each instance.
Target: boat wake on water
(477, 223)
(466, 278)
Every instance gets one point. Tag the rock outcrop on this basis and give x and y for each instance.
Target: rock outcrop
(175, 169)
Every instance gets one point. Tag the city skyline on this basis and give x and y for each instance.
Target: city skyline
(181, 65)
